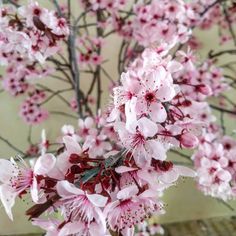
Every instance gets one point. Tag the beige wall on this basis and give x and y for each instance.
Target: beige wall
(184, 202)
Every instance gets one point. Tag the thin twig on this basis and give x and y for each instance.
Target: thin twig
(29, 135)
(56, 93)
(228, 51)
(222, 109)
(57, 7)
(12, 146)
(63, 114)
(53, 92)
(231, 30)
(226, 204)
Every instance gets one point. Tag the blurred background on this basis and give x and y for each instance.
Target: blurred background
(183, 201)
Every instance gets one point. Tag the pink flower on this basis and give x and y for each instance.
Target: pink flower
(17, 178)
(55, 228)
(63, 164)
(97, 145)
(138, 140)
(78, 205)
(86, 127)
(130, 209)
(188, 140)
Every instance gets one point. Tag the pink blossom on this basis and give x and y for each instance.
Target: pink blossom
(17, 178)
(78, 205)
(130, 209)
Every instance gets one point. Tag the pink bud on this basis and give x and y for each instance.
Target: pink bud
(204, 89)
(188, 140)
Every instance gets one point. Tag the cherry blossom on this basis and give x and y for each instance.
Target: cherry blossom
(109, 166)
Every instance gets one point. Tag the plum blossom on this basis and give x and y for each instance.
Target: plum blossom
(17, 178)
(138, 141)
(31, 111)
(110, 171)
(78, 205)
(214, 162)
(160, 20)
(131, 209)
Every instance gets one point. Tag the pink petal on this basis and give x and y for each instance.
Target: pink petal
(185, 171)
(6, 170)
(174, 66)
(88, 122)
(148, 193)
(128, 231)
(97, 199)
(157, 112)
(48, 225)
(169, 177)
(155, 78)
(71, 228)
(131, 115)
(147, 176)
(44, 164)
(127, 192)
(123, 169)
(71, 145)
(7, 196)
(96, 229)
(147, 127)
(156, 149)
(224, 175)
(165, 93)
(65, 189)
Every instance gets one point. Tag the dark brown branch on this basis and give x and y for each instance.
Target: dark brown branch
(231, 30)
(222, 109)
(73, 64)
(213, 55)
(98, 69)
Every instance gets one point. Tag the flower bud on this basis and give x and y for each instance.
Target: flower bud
(204, 89)
(188, 140)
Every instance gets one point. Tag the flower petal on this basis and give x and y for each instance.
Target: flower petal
(127, 192)
(65, 189)
(97, 199)
(185, 171)
(123, 169)
(147, 127)
(44, 164)
(71, 145)
(156, 149)
(7, 196)
(157, 112)
(6, 170)
(165, 93)
(169, 176)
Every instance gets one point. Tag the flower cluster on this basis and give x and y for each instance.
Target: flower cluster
(108, 174)
(147, 118)
(221, 15)
(89, 48)
(31, 111)
(90, 182)
(161, 21)
(215, 165)
(21, 73)
(32, 31)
